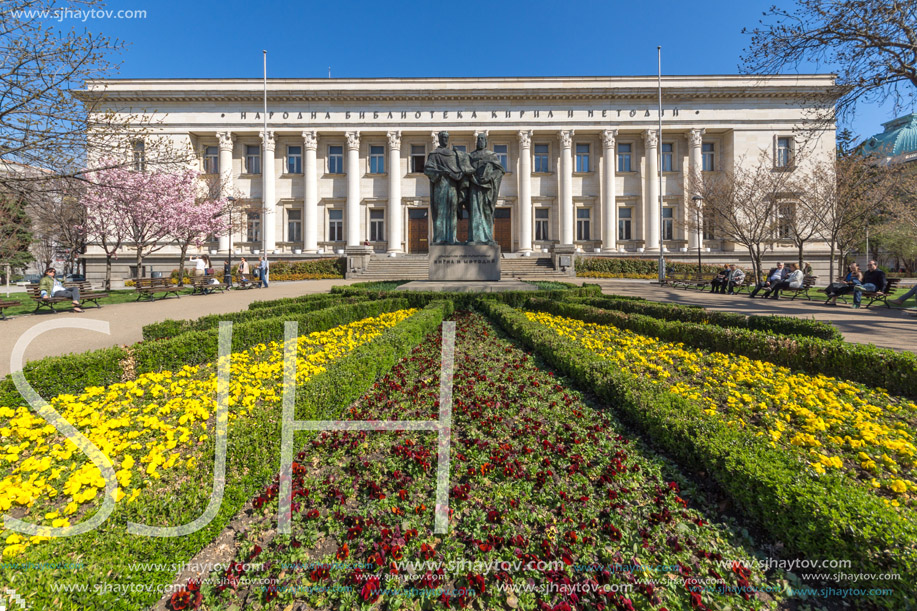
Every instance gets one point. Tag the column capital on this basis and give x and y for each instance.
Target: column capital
(566, 138)
(525, 138)
(353, 140)
(226, 140)
(651, 138)
(608, 138)
(696, 137)
(310, 140)
(269, 141)
(394, 140)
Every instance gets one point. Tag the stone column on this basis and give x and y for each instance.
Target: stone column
(695, 163)
(352, 210)
(393, 222)
(651, 205)
(609, 207)
(566, 187)
(268, 200)
(310, 223)
(525, 191)
(226, 141)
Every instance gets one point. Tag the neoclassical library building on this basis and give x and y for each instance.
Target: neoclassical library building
(341, 162)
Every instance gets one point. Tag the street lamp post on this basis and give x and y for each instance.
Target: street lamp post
(698, 203)
(232, 209)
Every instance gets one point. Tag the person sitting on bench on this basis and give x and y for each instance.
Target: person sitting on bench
(793, 281)
(851, 280)
(775, 275)
(720, 280)
(873, 282)
(51, 287)
(735, 278)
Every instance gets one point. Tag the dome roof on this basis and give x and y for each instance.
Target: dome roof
(899, 138)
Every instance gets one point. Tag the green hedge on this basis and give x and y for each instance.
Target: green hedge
(253, 459)
(174, 328)
(824, 517)
(618, 266)
(70, 374)
(196, 347)
(273, 303)
(781, 325)
(462, 301)
(893, 371)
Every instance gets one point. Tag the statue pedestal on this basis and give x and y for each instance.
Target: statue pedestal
(457, 262)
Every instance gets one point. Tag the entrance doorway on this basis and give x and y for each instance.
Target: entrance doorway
(503, 228)
(418, 230)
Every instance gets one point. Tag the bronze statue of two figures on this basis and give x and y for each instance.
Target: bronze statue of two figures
(462, 181)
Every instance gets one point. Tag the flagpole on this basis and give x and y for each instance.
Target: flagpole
(263, 157)
(659, 168)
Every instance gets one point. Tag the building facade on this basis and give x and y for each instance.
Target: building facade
(341, 162)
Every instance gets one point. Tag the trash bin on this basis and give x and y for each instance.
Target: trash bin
(155, 274)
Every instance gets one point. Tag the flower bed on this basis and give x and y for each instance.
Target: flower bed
(862, 432)
(145, 426)
(540, 480)
(820, 518)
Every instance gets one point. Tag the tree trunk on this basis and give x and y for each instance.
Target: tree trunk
(801, 262)
(181, 264)
(139, 263)
(107, 272)
(755, 265)
(831, 264)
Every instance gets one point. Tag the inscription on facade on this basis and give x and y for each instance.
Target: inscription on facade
(375, 116)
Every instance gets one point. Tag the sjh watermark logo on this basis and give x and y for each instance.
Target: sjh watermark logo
(442, 426)
(11, 598)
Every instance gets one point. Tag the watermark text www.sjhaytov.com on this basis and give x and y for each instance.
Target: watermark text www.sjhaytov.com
(84, 15)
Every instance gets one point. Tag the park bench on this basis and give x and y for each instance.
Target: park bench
(695, 281)
(891, 285)
(44, 302)
(148, 288)
(87, 292)
(204, 285)
(808, 283)
(244, 282)
(6, 304)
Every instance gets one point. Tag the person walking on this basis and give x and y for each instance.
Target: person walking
(199, 266)
(263, 271)
(227, 274)
(244, 271)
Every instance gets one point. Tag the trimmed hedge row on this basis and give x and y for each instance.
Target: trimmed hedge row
(253, 458)
(196, 347)
(54, 376)
(273, 303)
(463, 301)
(894, 371)
(781, 325)
(825, 517)
(615, 266)
(174, 328)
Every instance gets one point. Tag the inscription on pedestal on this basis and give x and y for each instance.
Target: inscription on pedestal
(450, 262)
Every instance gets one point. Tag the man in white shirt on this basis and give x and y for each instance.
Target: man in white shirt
(793, 281)
(199, 266)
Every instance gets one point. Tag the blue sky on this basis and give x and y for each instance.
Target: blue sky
(209, 39)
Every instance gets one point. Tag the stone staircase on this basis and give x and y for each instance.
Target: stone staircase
(416, 267)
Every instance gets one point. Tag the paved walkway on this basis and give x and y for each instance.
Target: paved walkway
(126, 320)
(881, 326)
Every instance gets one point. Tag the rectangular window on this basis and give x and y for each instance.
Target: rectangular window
(377, 225)
(336, 159)
(582, 224)
(785, 213)
(707, 152)
(211, 160)
(335, 225)
(502, 152)
(252, 159)
(784, 153)
(377, 159)
(418, 158)
(624, 219)
(294, 225)
(624, 156)
(253, 227)
(668, 155)
(294, 160)
(541, 159)
(668, 223)
(542, 216)
(582, 157)
(139, 156)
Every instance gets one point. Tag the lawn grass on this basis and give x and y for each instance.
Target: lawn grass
(28, 304)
